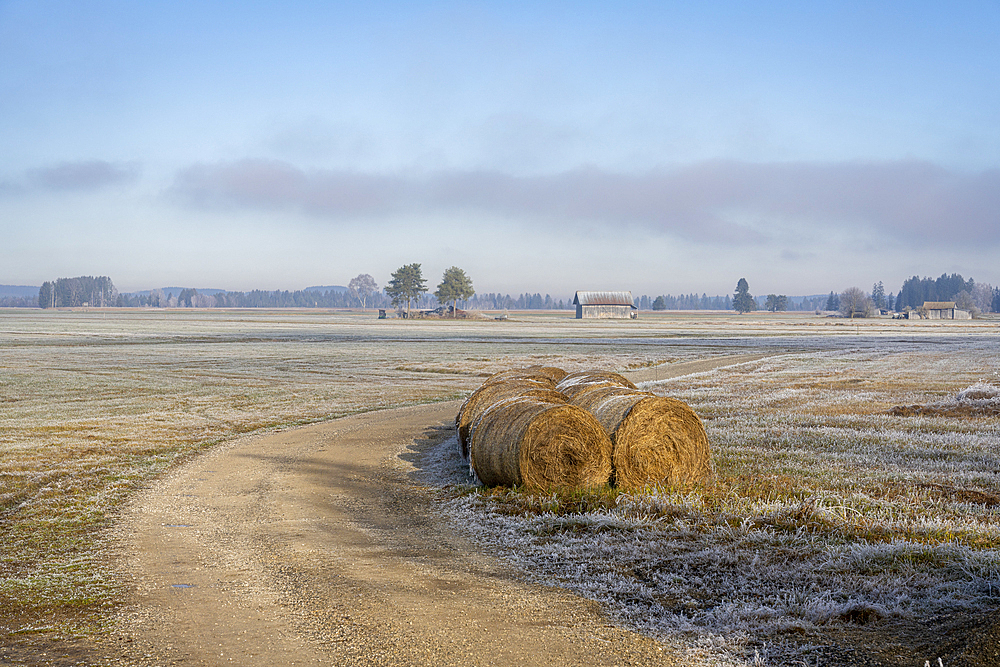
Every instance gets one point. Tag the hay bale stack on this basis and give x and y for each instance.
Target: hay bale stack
(655, 440)
(575, 383)
(490, 393)
(551, 372)
(539, 444)
(660, 441)
(548, 374)
(609, 404)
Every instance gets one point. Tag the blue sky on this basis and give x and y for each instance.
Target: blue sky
(658, 147)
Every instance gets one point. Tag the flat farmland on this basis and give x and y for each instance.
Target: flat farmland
(827, 517)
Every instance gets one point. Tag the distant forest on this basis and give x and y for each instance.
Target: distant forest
(100, 292)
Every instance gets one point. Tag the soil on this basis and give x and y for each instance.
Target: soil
(315, 546)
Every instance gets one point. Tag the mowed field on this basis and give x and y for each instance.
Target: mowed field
(828, 517)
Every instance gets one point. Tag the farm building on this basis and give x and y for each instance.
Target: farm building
(605, 305)
(941, 310)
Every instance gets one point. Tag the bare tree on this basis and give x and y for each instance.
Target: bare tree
(203, 301)
(855, 303)
(982, 296)
(363, 287)
(964, 301)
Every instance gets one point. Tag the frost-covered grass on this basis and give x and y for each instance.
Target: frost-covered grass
(94, 402)
(821, 505)
(825, 511)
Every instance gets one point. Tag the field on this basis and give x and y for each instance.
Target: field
(827, 514)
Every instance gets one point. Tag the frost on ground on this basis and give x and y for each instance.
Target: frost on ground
(826, 512)
(981, 398)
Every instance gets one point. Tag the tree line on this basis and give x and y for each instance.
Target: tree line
(967, 295)
(855, 302)
(456, 289)
(79, 291)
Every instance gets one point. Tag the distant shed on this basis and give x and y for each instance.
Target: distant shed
(605, 305)
(945, 310)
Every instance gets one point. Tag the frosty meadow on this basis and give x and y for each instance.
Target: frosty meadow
(830, 527)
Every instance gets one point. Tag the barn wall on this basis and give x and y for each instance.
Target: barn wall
(604, 312)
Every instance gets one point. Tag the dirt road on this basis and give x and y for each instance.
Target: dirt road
(316, 546)
(313, 546)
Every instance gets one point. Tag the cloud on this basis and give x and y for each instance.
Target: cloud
(274, 184)
(85, 175)
(716, 202)
(9, 188)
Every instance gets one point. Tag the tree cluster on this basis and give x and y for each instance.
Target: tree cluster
(18, 301)
(98, 292)
(776, 302)
(685, 302)
(854, 302)
(524, 301)
(407, 284)
(916, 290)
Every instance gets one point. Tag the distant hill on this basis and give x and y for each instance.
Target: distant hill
(326, 288)
(18, 290)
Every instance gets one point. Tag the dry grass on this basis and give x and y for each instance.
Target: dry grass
(92, 403)
(823, 503)
(826, 512)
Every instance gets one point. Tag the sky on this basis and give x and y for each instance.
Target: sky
(660, 147)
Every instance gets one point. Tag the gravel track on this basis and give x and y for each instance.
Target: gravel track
(316, 546)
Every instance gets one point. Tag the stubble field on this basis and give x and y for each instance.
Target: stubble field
(827, 514)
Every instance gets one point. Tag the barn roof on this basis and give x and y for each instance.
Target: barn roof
(603, 299)
(938, 305)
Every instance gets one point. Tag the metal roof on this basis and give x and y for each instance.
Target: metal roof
(603, 299)
(938, 305)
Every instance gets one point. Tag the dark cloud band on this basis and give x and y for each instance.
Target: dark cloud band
(86, 175)
(719, 201)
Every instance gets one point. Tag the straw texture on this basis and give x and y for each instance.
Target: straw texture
(661, 441)
(490, 393)
(655, 440)
(539, 444)
(575, 383)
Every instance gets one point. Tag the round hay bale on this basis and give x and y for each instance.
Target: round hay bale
(540, 445)
(488, 394)
(551, 372)
(536, 373)
(660, 441)
(576, 391)
(608, 403)
(575, 383)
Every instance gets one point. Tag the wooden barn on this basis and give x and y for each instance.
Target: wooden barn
(945, 310)
(605, 305)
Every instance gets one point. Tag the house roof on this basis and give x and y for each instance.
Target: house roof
(938, 305)
(603, 299)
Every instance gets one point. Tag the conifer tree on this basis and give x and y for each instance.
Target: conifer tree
(743, 301)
